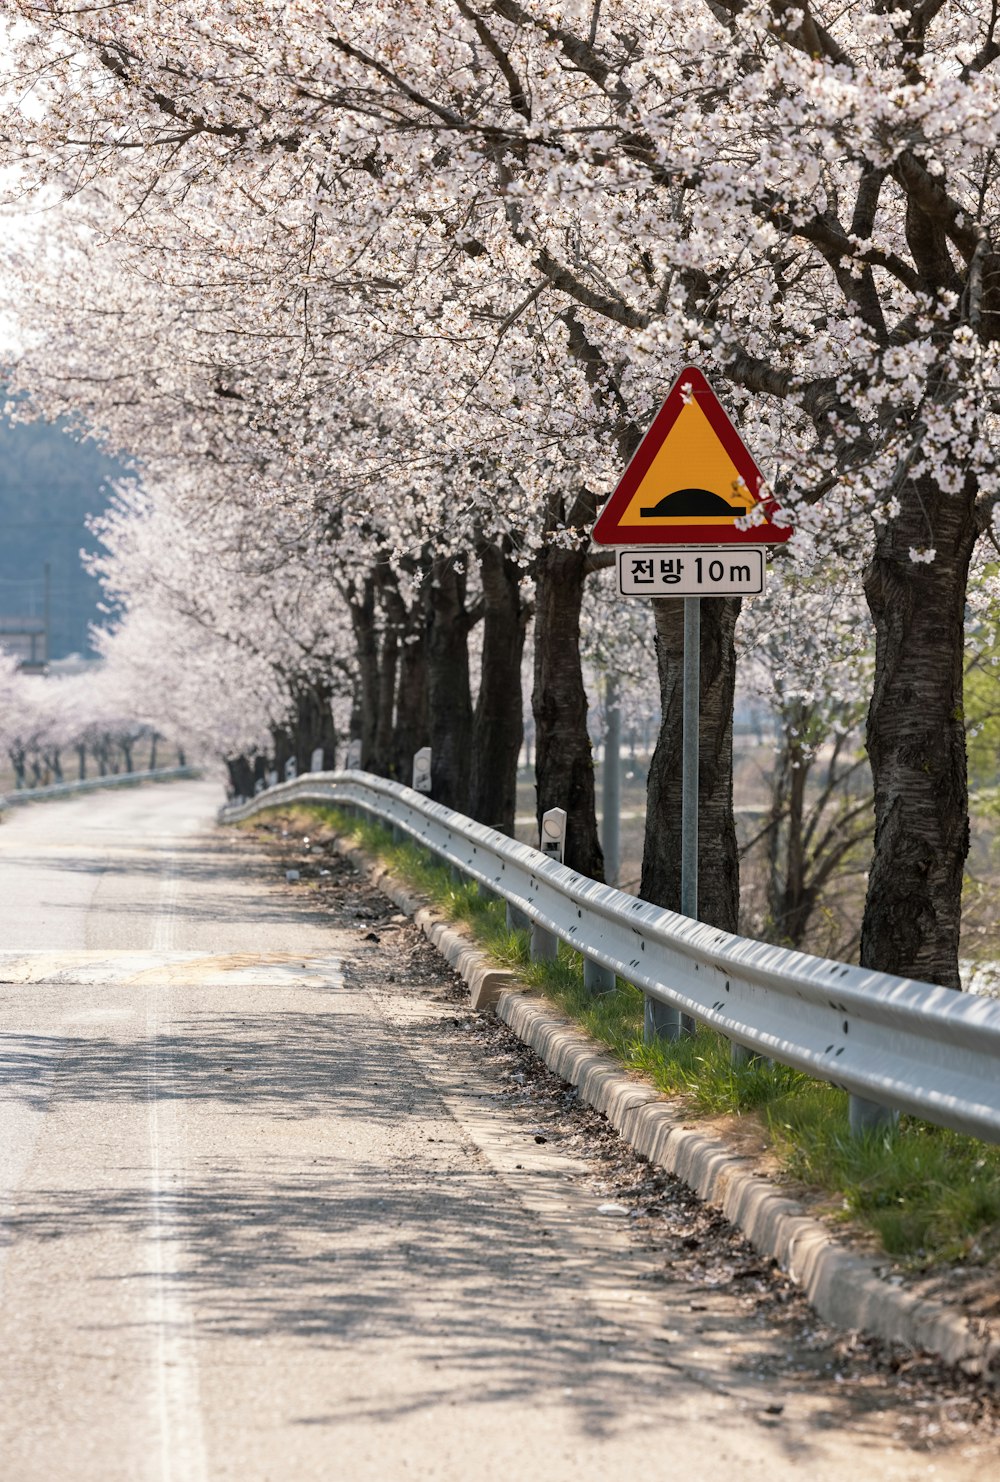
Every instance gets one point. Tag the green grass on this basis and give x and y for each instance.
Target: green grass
(928, 1194)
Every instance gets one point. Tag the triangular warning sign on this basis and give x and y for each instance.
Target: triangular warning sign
(690, 479)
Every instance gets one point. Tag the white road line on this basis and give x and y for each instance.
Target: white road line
(166, 910)
(181, 1454)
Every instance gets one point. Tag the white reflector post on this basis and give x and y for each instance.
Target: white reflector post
(553, 840)
(422, 770)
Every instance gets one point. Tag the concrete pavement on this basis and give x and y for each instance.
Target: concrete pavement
(260, 1222)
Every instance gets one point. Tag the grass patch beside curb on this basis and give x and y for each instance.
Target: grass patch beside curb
(930, 1195)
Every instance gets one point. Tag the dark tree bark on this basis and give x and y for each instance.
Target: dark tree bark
(402, 721)
(282, 747)
(241, 778)
(449, 696)
(411, 730)
(916, 738)
(361, 605)
(718, 858)
(498, 726)
(564, 762)
(311, 726)
(388, 664)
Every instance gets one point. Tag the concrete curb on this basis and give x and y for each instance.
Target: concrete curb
(845, 1289)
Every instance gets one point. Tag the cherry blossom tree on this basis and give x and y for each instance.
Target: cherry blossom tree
(527, 215)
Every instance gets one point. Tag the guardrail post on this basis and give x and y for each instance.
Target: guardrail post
(740, 1056)
(597, 978)
(868, 1116)
(660, 1021)
(544, 944)
(516, 919)
(316, 760)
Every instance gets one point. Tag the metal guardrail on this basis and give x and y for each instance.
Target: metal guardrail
(92, 784)
(899, 1043)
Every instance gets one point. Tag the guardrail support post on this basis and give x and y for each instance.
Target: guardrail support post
(516, 919)
(597, 978)
(869, 1116)
(544, 945)
(740, 1056)
(660, 1021)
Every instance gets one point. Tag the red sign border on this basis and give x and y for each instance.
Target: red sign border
(607, 528)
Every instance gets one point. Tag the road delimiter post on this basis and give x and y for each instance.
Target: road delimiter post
(551, 842)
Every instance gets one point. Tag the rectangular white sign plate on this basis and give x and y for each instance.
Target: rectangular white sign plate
(691, 571)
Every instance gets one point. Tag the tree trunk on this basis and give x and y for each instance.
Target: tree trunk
(498, 724)
(152, 751)
(362, 609)
(564, 762)
(382, 758)
(718, 858)
(411, 730)
(449, 697)
(241, 778)
(312, 726)
(916, 739)
(282, 747)
(790, 901)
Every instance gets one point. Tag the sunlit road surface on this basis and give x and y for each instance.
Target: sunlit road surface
(256, 1226)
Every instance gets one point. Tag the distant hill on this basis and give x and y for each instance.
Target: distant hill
(49, 484)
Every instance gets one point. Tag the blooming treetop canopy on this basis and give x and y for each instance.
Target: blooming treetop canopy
(493, 229)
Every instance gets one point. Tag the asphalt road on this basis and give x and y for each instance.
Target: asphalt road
(258, 1223)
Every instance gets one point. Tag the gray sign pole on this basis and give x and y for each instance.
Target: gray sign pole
(659, 1019)
(612, 783)
(689, 768)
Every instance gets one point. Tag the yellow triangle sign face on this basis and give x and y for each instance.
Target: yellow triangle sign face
(691, 458)
(690, 480)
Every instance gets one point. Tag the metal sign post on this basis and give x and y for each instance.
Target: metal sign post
(659, 1020)
(691, 736)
